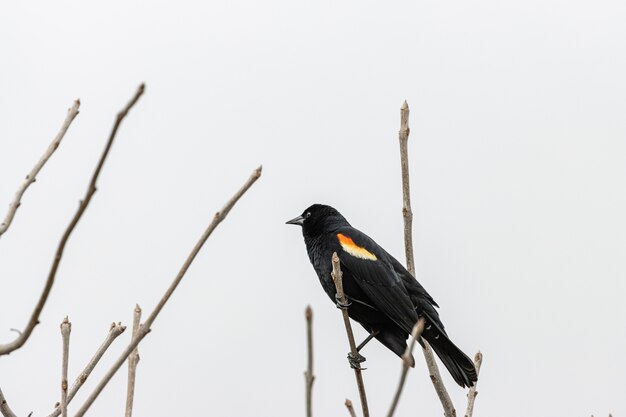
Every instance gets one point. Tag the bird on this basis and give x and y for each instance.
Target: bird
(381, 294)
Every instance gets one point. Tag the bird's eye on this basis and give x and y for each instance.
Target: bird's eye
(308, 214)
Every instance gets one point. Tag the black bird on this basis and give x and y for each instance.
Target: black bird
(382, 295)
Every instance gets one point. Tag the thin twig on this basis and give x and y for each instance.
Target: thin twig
(66, 329)
(308, 375)
(471, 395)
(337, 276)
(406, 363)
(91, 190)
(133, 360)
(145, 328)
(350, 408)
(407, 214)
(4, 406)
(114, 331)
(72, 112)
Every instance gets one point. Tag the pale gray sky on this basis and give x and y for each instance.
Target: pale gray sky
(517, 156)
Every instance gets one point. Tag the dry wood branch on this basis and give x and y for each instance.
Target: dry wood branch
(72, 112)
(145, 328)
(406, 363)
(91, 190)
(66, 329)
(4, 406)
(471, 395)
(435, 377)
(114, 331)
(350, 408)
(308, 375)
(133, 360)
(407, 214)
(337, 276)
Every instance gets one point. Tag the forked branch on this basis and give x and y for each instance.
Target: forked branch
(146, 326)
(114, 331)
(72, 112)
(91, 190)
(471, 395)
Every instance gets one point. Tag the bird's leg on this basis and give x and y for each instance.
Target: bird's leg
(343, 306)
(372, 335)
(356, 360)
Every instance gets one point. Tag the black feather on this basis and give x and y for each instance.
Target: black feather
(385, 297)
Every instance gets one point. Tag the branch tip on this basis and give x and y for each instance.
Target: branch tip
(34, 318)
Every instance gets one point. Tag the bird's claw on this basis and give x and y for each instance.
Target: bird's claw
(341, 305)
(356, 360)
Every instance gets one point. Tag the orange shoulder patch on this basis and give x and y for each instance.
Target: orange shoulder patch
(353, 249)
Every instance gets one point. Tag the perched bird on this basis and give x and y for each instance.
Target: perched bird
(382, 295)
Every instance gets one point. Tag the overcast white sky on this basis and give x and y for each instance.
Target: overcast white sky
(518, 141)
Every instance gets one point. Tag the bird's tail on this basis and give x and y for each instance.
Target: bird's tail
(458, 363)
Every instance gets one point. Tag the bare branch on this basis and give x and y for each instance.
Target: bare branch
(91, 190)
(4, 406)
(435, 377)
(133, 360)
(72, 112)
(66, 329)
(308, 375)
(406, 363)
(337, 276)
(471, 395)
(114, 331)
(407, 214)
(145, 328)
(350, 408)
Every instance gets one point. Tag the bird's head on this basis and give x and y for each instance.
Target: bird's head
(319, 219)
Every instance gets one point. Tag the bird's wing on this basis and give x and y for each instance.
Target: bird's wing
(369, 264)
(413, 287)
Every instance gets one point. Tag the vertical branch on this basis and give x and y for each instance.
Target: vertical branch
(91, 190)
(471, 395)
(308, 375)
(72, 112)
(407, 214)
(145, 328)
(406, 363)
(66, 329)
(133, 360)
(5, 410)
(350, 408)
(337, 276)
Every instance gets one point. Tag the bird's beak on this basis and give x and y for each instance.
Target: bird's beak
(297, 221)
